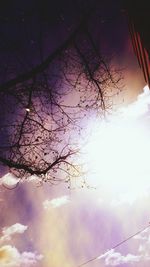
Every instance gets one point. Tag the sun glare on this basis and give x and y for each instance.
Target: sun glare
(117, 157)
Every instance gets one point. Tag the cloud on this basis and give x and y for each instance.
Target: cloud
(8, 232)
(56, 202)
(34, 178)
(116, 258)
(144, 238)
(9, 180)
(143, 235)
(11, 257)
(140, 107)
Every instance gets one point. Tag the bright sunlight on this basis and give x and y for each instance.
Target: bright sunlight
(117, 152)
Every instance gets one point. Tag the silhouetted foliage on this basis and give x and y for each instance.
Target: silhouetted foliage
(43, 100)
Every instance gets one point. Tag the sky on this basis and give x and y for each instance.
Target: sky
(55, 226)
(46, 226)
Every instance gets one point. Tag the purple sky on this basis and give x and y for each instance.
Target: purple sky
(53, 226)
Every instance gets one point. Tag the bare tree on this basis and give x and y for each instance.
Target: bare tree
(42, 107)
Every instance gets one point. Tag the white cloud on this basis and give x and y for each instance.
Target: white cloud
(29, 258)
(138, 108)
(34, 178)
(116, 258)
(11, 257)
(113, 258)
(8, 232)
(9, 180)
(56, 202)
(143, 235)
(144, 246)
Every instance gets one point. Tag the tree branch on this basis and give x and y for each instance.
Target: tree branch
(41, 67)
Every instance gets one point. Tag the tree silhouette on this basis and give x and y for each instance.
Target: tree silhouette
(43, 103)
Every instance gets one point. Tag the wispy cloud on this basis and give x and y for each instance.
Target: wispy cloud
(8, 232)
(11, 257)
(56, 202)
